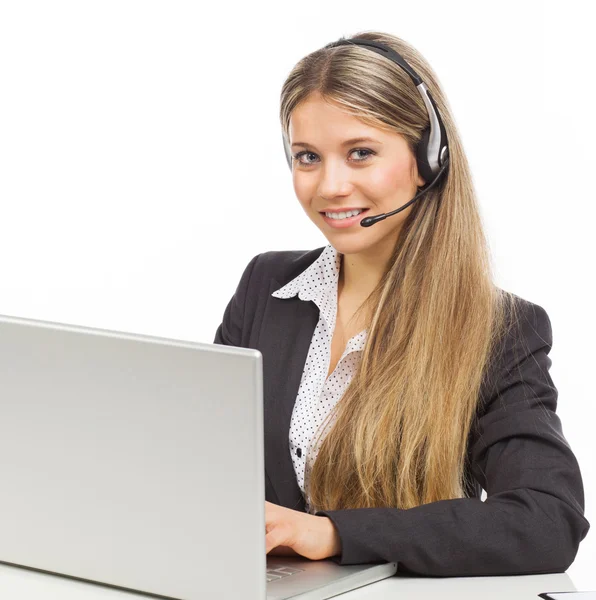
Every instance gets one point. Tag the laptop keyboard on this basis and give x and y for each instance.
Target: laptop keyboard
(278, 571)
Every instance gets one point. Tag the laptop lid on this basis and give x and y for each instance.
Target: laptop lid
(115, 467)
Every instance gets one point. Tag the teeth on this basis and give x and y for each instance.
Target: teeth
(343, 215)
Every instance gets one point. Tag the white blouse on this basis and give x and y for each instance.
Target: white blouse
(317, 394)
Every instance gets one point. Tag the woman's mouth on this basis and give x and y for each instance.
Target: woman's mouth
(341, 223)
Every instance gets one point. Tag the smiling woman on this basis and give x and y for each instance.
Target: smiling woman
(377, 176)
(399, 380)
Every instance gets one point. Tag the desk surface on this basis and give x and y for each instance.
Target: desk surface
(23, 584)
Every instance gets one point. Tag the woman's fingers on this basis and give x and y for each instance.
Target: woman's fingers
(283, 551)
(276, 536)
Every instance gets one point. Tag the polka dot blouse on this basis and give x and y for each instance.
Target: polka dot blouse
(317, 394)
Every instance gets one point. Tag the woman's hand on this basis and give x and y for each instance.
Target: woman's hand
(291, 532)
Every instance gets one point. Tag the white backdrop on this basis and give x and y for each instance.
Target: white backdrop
(141, 163)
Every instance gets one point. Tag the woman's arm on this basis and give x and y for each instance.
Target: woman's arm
(229, 332)
(532, 520)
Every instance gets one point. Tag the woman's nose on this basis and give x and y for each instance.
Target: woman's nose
(335, 180)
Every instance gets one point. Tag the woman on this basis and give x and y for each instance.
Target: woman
(399, 380)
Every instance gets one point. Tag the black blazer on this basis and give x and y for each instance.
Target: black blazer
(532, 520)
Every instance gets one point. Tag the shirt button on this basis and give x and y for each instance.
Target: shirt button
(299, 452)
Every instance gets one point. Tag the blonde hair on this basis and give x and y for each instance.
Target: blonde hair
(400, 431)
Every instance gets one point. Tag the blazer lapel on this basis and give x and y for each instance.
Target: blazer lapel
(284, 339)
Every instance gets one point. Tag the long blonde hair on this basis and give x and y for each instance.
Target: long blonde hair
(400, 431)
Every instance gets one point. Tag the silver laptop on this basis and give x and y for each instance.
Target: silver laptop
(138, 462)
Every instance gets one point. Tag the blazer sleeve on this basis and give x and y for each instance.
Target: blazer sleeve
(230, 330)
(532, 519)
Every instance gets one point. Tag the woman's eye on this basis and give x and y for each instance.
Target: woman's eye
(299, 155)
(362, 150)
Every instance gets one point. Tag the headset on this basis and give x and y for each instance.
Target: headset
(432, 151)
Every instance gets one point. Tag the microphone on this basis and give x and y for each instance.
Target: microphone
(368, 221)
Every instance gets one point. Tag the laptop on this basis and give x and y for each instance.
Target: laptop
(137, 462)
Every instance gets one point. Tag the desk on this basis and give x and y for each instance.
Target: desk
(24, 584)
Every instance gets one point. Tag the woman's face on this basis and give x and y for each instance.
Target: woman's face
(331, 174)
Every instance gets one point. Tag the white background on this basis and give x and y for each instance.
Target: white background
(141, 163)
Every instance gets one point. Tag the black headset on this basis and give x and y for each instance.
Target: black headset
(432, 152)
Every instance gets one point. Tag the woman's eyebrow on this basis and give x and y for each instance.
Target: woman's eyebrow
(345, 143)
